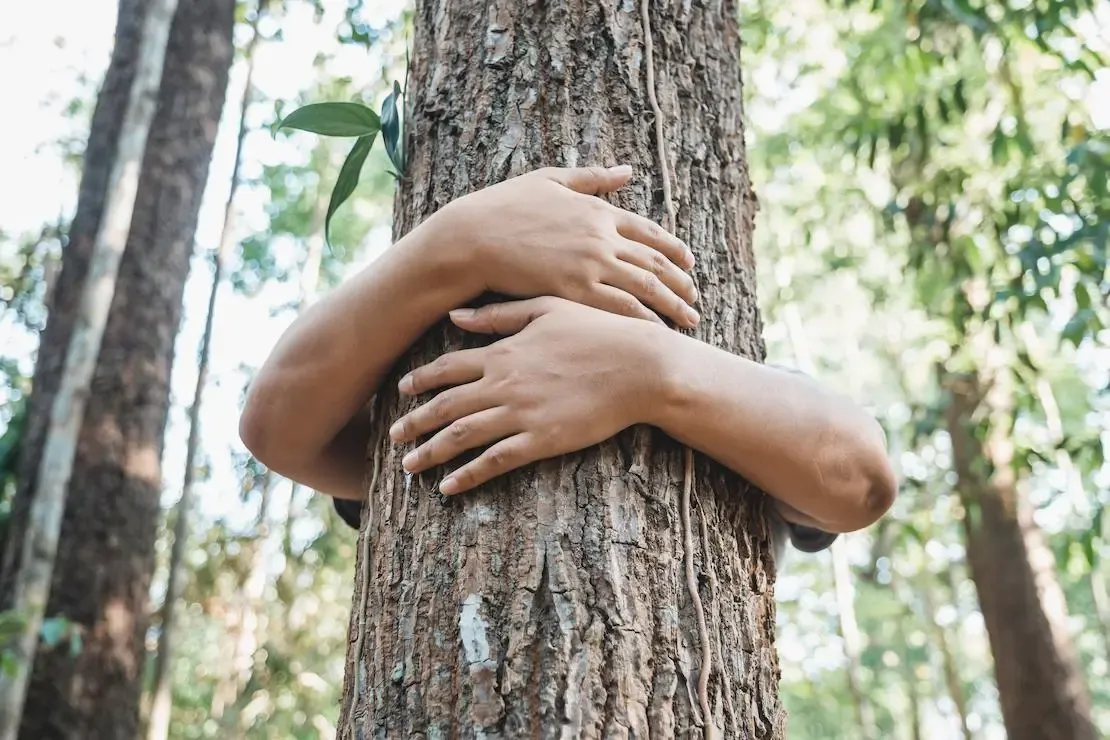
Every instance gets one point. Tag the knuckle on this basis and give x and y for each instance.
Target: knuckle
(650, 284)
(629, 306)
(460, 430)
(438, 410)
(498, 457)
(658, 263)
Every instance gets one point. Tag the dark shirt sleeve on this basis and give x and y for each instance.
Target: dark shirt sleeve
(349, 511)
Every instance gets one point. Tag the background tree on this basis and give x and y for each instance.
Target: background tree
(107, 554)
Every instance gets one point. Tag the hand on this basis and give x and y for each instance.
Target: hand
(569, 377)
(543, 233)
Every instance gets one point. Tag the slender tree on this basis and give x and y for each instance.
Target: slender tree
(1040, 684)
(161, 689)
(106, 555)
(625, 590)
(41, 536)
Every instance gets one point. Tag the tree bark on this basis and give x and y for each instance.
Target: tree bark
(158, 727)
(107, 554)
(553, 601)
(1041, 688)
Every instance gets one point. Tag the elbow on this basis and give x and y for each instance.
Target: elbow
(256, 426)
(882, 489)
(858, 475)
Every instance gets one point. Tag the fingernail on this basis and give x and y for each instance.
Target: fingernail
(463, 313)
(405, 386)
(408, 461)
(692, 316)
(449, 486)
(689, 258)
(621, 169)
(395, 430)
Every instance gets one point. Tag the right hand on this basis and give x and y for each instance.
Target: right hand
(543, 233)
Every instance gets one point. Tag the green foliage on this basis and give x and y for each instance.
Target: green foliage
(346, 120)
(333, 119)
(349, 173)
(391, 130)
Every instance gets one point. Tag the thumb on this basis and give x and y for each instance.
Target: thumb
(589, 180)
(502, 318)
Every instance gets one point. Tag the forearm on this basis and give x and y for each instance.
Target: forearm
(304, 416)
(816, 452)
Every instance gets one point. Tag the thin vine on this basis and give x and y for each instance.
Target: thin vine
(708, 728)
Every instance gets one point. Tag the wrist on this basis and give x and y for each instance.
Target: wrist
(444, 257)
(666, 391)
(452, 233)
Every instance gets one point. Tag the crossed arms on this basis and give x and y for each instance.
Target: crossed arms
(585, 355)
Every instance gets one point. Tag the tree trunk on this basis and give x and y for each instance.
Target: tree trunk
(67, 411)
(554, 602)
(947, 657)
(162, 685)
(1040, 686)
(107, 554)
(842, 571)
(853, 641)
(244, 630)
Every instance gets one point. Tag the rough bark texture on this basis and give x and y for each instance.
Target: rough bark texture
(553, 602)
(107, 556)
(1040, 684)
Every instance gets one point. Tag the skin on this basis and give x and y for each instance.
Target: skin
(583, 357)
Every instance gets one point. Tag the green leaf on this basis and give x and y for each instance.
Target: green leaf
(391, 130)
(347, 181)
(333, 119)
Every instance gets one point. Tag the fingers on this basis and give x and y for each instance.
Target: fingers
(646, 231)
(452, 368)
(503, 318)
(508, 454)
(652, 292)
(588, 180)
(615, 300)
(449, 406)
(654, 262)
(471, 431)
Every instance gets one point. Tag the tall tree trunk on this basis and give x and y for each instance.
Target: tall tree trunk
(244, 630)
(555, 600)
(1040, 685)
(842, 572)
(948, 658)
(107, 556)
(67, 411)
(853, 641)
(162, 685)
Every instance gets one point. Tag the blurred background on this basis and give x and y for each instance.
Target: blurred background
(932, 175)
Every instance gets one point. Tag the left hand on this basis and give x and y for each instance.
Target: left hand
(569, 377)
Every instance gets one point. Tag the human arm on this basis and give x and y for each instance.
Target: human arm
(568, 377)
(305, 414)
